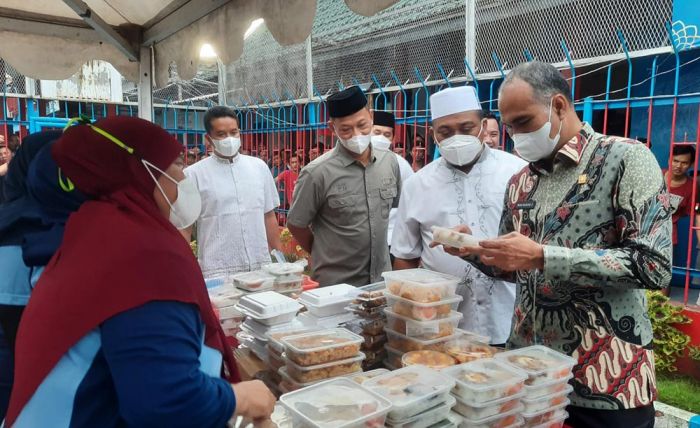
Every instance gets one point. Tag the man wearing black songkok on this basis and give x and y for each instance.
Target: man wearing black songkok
(342, 200)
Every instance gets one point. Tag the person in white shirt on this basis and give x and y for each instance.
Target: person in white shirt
(466, 185)
(237, 227)
(382, 139)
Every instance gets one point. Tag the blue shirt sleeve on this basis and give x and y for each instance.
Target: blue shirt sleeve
(153, 354)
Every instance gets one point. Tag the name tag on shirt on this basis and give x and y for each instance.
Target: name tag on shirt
(526, 205)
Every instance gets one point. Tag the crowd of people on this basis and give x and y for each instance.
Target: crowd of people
(104, 308)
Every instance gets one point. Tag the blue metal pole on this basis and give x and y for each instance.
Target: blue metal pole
(528, 55)
(588, 109)
(381, 91)
(473, 76)
(444, 75)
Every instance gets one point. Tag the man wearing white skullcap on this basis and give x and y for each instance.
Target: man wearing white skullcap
(465, 186)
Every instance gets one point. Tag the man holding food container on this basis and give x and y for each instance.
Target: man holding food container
(465, 186)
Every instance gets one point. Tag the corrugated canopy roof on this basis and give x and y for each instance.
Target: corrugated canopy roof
(51, 39)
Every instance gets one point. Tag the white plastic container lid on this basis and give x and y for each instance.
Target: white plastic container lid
(274, 338)
(326, 296)
(501, 417)
(363, 377)
(309, 320)
(267, 304)
(422, 277)
(321, 340)
(486, 375)
(282, 269)
(436, 414)
(262, 331)
(422, 329)
(538, 360)
(410, 385)
(337, 403)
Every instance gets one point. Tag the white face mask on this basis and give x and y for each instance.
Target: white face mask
(460, 149)
(227, 147)
(380, 142)
(357, 144)
(537, 145)
(188, 205)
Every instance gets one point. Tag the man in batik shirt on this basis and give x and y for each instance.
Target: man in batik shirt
(586, 228)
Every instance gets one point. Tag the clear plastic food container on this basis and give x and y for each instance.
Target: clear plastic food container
(288, 287)
(412, 390)
(322, 346)
(326, 322)
(274, 360)
(327, 301)
(261, 331)
(337, 403)
(535, 405)
(420, 285)
(423, 311)
(371, 295)
(393, 357)
(258, 348)
(315, 373)
(453, 238)
(371, 312)
(370, 327)
(540, 363)
(373, 343)
(403, 343)
(465, 350)
(485, 381)
(275, 337)
(224, 296)
(426, 419)
(453, 420)
(423, 329)
(546, 388)
(557, 421)
(365, 376)
(433, 359)
(474, 411)
(290, 384)
(268, 307)
(284, 271)
(538, 418)
(256, 280)
(508, 419)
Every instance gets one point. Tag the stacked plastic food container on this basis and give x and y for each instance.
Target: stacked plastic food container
(288, 277)
(319, 355)
(224, 297)
(368, 307)
(420, 396)
(266, 312)
(326, 306)
(337, 403)
(488, 393)
(546, 386)
(421, 312)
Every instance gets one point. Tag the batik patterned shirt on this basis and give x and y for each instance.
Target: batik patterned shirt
(603, 216)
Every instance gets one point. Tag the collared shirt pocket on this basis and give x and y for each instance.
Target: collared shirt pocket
(387, 194)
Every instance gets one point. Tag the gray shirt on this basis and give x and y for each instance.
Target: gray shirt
(347, 206)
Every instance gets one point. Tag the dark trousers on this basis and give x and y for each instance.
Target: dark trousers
(641, 417)
(9, 322)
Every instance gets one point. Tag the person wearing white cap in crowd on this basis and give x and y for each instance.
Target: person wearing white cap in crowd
(465, 186)
(382, 139)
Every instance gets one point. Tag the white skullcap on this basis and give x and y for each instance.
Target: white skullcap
(454, 100)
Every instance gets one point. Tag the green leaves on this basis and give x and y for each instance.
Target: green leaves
(669, 342)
